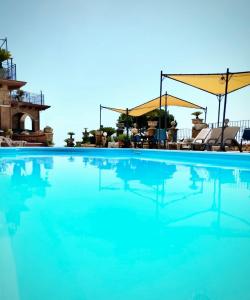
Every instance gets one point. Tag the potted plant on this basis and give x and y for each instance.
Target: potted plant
(8, 133)
(4, 55)
(48, 129)
(85, 136)
(197, 120)
(123, 141)
(70, 141)
(20, 95)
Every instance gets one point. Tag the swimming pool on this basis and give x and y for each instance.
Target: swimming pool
(80, 224)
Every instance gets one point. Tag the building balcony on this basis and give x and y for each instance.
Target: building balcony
(23, 97)
(8, 71)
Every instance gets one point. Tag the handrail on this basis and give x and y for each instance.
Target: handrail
(23, 96)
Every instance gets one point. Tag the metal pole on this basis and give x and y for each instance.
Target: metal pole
(222, 146)
(6, 43)
(100, 117)
(206, 114)
(127, 121)
(219, 99)
(159, 126)
(41, 97)
(166, 111)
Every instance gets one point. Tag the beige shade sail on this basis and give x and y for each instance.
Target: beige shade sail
(214, 83)
(119, 110)
(166, 100)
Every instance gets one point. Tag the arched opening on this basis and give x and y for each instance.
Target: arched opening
(28, 123)
(21, 122)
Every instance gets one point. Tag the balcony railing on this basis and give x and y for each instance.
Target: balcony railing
(8, 71)
(187, 133)
(28, 97)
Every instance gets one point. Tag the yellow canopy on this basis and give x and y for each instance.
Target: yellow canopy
(119, 110)
(166, 100)
(214, 83)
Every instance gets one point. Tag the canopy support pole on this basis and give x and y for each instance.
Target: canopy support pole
(222, 146)
(166, 111)
(127, 122)
(219, 99)
(166, 117)
(159, 126)
(100, 120)
(205, 114)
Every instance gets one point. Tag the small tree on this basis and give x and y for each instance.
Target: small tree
(196, 114)
(4, 55)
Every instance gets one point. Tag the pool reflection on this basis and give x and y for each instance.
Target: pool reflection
(21, 180)
(187, 192)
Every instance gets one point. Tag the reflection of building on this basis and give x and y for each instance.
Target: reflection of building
(17, 105)
(21, 180)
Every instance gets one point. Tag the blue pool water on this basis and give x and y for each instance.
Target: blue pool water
(124, 225)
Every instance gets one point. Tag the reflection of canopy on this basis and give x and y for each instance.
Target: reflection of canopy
(166, 100)
(214, 83)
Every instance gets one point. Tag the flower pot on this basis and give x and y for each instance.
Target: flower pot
(98, 137)
(48, 129)
(200, 126)
(197, 121)
(151, 131)
(152, 124)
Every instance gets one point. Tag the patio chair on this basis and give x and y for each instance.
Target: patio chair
(197, 142)
(161, 135)
(8, 142)
(157, 139)
(212, 138)
(229, 137)
(245, 137)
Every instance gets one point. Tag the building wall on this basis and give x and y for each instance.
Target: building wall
(5, 111)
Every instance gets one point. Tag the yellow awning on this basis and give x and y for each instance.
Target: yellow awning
(119, 110)
(166, 100)
(214, 83)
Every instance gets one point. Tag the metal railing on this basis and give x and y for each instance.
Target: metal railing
(28, 97)
(8, 72)
(242, 124)
(185, 133)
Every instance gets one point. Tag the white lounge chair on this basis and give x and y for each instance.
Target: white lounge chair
(200, 138)
(4, 141)
(229, 138)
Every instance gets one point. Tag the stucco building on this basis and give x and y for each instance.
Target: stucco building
(16, 105)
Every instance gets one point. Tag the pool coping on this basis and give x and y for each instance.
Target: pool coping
(82, 149)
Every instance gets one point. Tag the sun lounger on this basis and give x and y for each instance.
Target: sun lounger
(212, 138)
(229, 138)
(230, 134)
(197, 143)
(8, 142)
(245, 137)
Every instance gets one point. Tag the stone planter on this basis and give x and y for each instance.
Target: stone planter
(152, 124)
(98, 137)
(151, 131)
(200, 126)
(197, 121)
(48, 129)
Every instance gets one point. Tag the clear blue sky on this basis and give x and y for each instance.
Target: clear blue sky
(85, 52)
